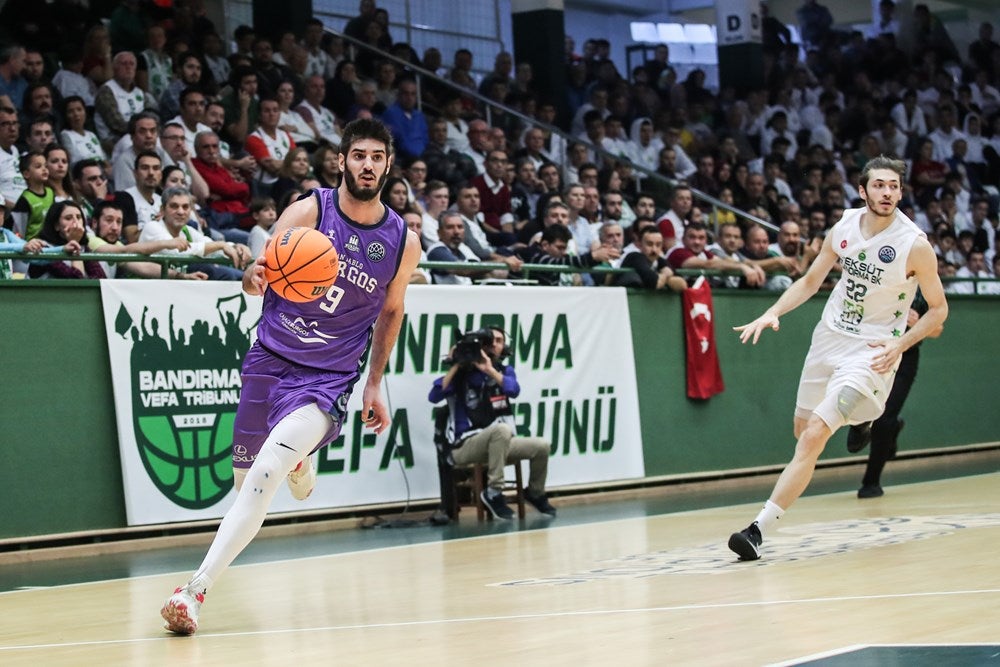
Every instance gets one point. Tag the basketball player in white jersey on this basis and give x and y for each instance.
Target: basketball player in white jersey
(856, 345)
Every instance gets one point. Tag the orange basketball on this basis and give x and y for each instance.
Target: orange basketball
(301, 264)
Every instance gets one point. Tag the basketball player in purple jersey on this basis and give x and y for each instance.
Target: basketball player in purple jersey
(299, 375)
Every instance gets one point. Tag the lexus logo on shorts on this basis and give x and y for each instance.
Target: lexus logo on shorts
(887, 254)
(240, 450)
(376, 251)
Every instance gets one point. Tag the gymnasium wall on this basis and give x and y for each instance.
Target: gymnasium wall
(58, 433)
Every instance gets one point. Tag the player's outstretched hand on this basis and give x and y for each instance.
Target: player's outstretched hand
(254, 282)
(755, 328)
(885, 360)
(373, 411)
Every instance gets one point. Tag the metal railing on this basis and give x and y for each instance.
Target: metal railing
(164, 260)
(168, 261)
(568, 140)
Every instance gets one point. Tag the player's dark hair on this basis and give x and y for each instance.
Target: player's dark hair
(365, 128)
(882, 162)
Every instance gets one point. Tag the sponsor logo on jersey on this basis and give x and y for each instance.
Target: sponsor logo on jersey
(376, 251)
(887, 253)
(859, 268)
(843, 244)
(353, 243)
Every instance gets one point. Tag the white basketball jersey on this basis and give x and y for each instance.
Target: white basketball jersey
(873, 296)
(130, 102)
(277, 148)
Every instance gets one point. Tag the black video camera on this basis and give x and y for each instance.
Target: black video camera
(470, 346)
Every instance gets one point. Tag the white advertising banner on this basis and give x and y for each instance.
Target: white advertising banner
(176, 350)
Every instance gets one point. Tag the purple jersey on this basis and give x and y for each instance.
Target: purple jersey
(333, 332)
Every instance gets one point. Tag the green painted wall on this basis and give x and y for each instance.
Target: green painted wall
(57, 418)
(750, 423)
(58, 434)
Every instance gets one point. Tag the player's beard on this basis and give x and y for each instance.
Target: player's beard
(360, 193)
(876, 207)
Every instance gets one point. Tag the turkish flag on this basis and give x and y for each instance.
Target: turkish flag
(704, 377)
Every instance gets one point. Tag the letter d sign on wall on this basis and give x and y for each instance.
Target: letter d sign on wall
(737, 22)
(737, 26)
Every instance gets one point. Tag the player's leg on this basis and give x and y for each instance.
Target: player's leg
(289, 442)
(812, 431)
(813, 435)
(301, 480)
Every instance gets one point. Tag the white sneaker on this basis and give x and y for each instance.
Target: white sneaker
(180, 611)
(302, 480)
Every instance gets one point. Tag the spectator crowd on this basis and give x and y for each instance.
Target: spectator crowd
(146, 132)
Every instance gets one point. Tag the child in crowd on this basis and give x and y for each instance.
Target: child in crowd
(264, 213)
(29, 211)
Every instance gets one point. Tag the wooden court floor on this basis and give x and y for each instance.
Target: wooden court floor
(915, 568)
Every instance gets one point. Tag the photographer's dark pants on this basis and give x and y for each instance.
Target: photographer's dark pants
(497, 446)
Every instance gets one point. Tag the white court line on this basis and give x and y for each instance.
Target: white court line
(513, 617)
(515, 532)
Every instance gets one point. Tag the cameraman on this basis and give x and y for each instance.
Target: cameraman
(481, 419)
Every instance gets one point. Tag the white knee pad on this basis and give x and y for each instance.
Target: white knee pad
(289, 442)
(836, 410)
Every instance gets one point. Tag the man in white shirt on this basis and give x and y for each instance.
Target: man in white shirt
(118, 100)
(70, 81)
(146, 203)
(12, 183)
(975, 267)
(946, 133)
(436, 199)
(685, 166)
(885, 22)
(173, 222)
(480, 143)
(891, 140)
(676, 216)
(317, 60)
(269, 144)
(144, 133)
(319, 119)
(191, 117)
(909, 117)
(452, 248)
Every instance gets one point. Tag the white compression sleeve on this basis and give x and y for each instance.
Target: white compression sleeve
(289, 442)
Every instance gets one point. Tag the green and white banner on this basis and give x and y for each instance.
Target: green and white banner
(176, 350)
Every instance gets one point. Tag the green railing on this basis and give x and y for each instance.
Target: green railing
(165, 261)
(168, 261)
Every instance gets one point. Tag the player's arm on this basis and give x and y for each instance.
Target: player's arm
(794, 296)
(373, 411)
(302, 213)
(922, 262)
